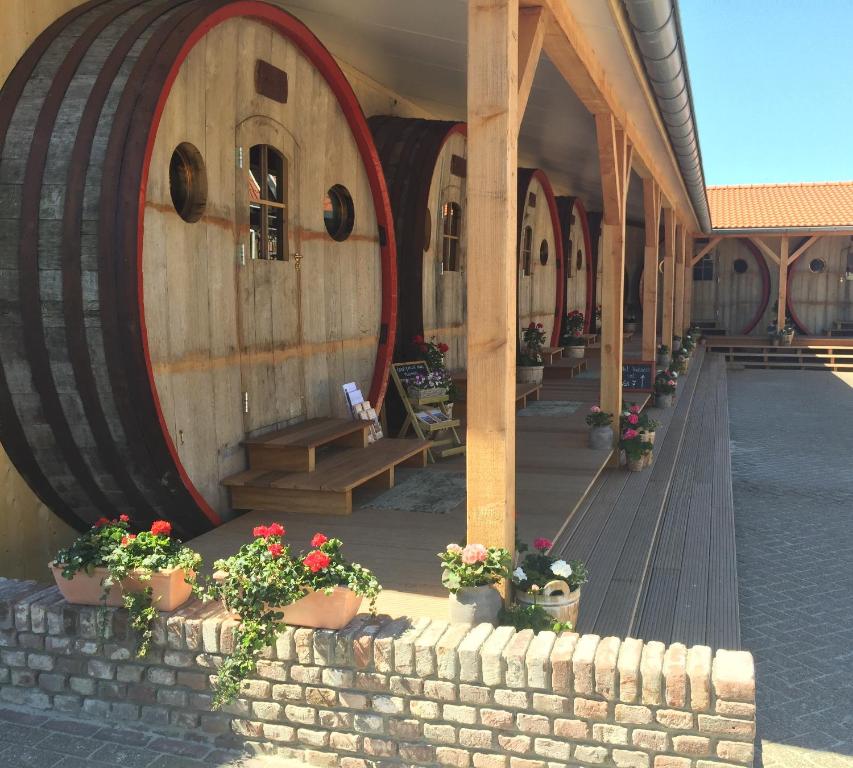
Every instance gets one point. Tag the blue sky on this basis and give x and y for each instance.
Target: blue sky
(772, 88)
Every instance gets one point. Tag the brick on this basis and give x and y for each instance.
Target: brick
(555, 750)
(522, 762)
(321, 759)
(383, 644)
(735, 709)
(470, 670)
(129, 673)
(651, 667)
(458, 758)
(345, 742)
(303, 641)
(699, 674)
(102, 670)
(371, 681)
(628, 669)
(172, 697)
(440, 690)
(648, 739)
(306, 675)
(247, 727)
(267, 710)
(538, 660)
(515, 699)
(447, 659)
(589, 754)
(323, 697)
(606, 655)
(279, 733)
(312, 738)
(609, 734)
(668, 761)
(85, 686)
(406, 686)
(561, 662)
(474, 694)
(442, 734)
(425, 664)
(676, 719)
(624, 758)
(733, 676)
(271, 670)
(590, 709)
(533, 723)
(24, 677)
(459, 714)
(726, 726)
(362, 644)
(389, 705)
(675, 675)
(583, 664)
(553, 705)
(514, 655)
(490, 761)
(286, 692)
(304, 715)
(497, 718)
(571, 729)
(160, 676)
(475, 738)
(181, 659)
(518, 744)
(339, 721)
(285, 649)
(491, 656)
(404, 647)
(419, 753)
(51, 683)
(735, 751)
(324, 647)
(404, 729)
(691, 745)
(365, 723)
(426, 710)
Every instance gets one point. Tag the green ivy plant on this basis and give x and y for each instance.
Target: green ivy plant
(533, 617)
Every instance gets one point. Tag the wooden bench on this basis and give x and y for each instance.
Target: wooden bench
(526, 390)
(328, 489)
(549, 353)
(567, 368)
(294, 449)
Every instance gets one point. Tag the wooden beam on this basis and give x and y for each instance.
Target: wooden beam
(706, 249)
(688, 285)
(614, 156)
(531, 35)
(668, 276)
(803, 248)
(491, 283)
(678, 278)
(651, 210)
(765, 249)
(783, 283)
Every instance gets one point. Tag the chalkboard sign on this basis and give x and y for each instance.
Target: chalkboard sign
(638, 375)
(407, 371)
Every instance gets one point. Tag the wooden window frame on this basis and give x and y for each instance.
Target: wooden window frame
(265, 204)
(527, 251)
(451, 244)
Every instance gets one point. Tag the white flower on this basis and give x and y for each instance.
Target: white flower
(519, 575)
(561, 568)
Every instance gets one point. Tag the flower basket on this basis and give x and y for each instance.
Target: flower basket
(647, 437)
(475, 605)
(530, 374)
(86, 588)
(556, 598)
(416, 393)
(169, 589)
(636, 465)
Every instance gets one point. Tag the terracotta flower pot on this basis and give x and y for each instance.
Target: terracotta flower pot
(475, 605)
(529, 374)
(321, 611)
(556, 598)
(86, 588)
(169, 589)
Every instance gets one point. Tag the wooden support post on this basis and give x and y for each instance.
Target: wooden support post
(531, 35)
(651, 209)
(678, 293)
(492, 324)
(783, 282)
(688, 283)
(668, 276)
(614, 155)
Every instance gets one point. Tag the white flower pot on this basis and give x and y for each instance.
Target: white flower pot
(601, 438)
(663, 360)
(663, 401)
(576, 351)
(529, 374)
(556, 598)
(475, 605)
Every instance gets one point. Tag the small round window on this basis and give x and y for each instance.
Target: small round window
(817, 266)
(740, 266)
(427, 229)
(543, 252)
(338, 213)
(188, 182)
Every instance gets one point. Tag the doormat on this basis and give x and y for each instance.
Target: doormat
(435, 493)
(550, 408)
(588, 374)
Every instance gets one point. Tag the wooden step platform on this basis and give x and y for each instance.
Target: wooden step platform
(550, 353)
(328, 489)
(294, 449)
(566, 368)
(804, 354)
(525, 391)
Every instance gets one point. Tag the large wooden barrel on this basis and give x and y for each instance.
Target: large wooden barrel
(819, 293)
(195, 245)
(578, 269)
(540, 246)
(425, 167)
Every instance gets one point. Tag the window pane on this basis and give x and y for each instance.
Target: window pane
(275, 177)
(275, 233)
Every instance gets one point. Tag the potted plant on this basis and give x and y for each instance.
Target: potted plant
(110, 566)
(549, 582)
(596, 315)
(600, 433)
(470, 573)
(422, 386)
(530, 365)
(267, 587)
(664, 389)
(663, 355)
(676, 344)
(636, 450)
(788, 335)
(630, 323)
(679, 362)
(434, 353)
(573, 325)
(576, 346)
(531, 616)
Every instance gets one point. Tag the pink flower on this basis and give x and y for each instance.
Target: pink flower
(260, 531)
(275, 529)
(454, 549)
(275, 550)
(634, 409)
(633, 418)
(474, 553)
(671, 383)
(595, 409)
(318, 540)
(630, 434)
(543, 544)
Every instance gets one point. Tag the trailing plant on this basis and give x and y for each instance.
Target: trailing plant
(473, 566)
(533, 339)
(598, 418)
(262, 579)
(538, 567)
(91, 549)
(533, 617)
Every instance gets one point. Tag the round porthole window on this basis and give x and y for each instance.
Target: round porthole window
(338, 213)
(427, 229)
(740, 266)
(543, 252)
(188, 182)
(817, 266)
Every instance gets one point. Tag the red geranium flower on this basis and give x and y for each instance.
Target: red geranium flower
(275, 550)
(539, 325)
(543, 544)
(316, 561)
(260, 532)
(161, 528)
(124, 518)
(275, 530)
(418, 339)
(443, 348)
(125, 540)
(101, 521)
(318, 540)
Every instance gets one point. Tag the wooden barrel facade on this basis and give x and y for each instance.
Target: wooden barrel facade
(577, 258)
(150, 149)
(819, 293)
(425, 166)
(540, 245)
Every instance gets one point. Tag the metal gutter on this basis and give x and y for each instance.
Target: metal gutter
(656, 26)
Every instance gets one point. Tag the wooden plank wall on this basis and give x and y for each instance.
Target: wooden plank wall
(820, 299)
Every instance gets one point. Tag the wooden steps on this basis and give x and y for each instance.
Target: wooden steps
(549, 353)
(314, 467)
(805, 355)
(565, 368)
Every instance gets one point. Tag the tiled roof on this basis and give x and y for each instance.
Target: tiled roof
(759, 206)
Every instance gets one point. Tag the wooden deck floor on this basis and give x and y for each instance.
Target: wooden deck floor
(660, 544)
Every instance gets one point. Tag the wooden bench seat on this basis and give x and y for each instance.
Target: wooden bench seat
(329, 488)
(549, 353)
(567, 368)
(525, 391)
(294, 449)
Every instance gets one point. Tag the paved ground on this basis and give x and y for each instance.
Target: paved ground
(30, 739)
(792, 444)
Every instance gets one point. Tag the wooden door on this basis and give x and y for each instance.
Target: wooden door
(269, 289)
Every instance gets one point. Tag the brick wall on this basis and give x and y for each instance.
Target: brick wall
(391, 692)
